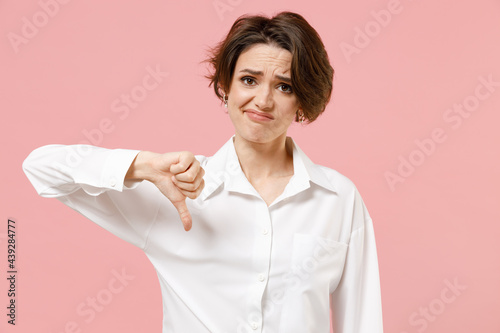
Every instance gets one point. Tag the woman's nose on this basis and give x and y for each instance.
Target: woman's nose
(264, 98)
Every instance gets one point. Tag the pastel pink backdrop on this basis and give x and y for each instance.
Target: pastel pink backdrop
(437, 224)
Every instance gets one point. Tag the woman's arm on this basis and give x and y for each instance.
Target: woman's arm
(356, 303)
(106, 185)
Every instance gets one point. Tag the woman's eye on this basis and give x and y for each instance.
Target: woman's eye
(248, 81)
(285, 88)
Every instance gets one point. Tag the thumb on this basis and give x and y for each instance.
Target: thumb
(184, 213)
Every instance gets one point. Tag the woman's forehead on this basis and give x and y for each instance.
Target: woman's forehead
(263, 57)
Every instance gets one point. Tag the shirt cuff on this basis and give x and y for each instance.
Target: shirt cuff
(115, 170)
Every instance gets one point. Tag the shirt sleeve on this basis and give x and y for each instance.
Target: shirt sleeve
(91, 180)
(356, 302)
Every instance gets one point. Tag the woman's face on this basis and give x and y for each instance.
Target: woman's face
(261, 101)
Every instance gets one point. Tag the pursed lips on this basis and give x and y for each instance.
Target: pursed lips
(262, 114)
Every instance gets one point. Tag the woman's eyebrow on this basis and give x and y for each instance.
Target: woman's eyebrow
(259, 73)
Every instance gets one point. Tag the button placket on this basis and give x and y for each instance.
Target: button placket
(261, 264)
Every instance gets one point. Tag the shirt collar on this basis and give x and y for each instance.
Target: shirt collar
(224, 168)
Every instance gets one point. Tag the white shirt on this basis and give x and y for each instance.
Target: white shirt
(244, 266)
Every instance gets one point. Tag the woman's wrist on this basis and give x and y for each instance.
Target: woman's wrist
(141, 167)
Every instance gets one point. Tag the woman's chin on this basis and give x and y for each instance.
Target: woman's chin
(257, 136)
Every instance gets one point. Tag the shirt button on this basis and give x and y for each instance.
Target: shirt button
(112, 181)
(264, 231)
(254, 325)
(261, 277)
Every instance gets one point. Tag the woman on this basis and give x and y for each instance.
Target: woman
(274, 240)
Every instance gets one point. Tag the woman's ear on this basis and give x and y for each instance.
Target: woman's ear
(300, 116)
(223, 90)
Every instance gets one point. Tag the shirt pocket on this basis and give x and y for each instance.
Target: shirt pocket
(316, 261)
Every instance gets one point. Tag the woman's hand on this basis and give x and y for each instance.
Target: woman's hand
(177, 175)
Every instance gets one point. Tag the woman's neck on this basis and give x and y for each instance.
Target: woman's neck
(264, 160)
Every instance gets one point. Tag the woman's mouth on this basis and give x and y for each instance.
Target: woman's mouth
(258, 116)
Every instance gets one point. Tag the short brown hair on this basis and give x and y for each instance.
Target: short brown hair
(311, 72)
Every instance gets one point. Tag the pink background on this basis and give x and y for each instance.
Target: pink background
(438, 224)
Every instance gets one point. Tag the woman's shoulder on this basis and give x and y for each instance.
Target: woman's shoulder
(339, 181)
(347, 190)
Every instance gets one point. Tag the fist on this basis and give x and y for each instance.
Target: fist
(178, 175)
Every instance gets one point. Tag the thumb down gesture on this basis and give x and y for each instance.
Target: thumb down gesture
(177, 175)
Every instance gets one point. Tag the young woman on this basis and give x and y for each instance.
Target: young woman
(275, 241)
